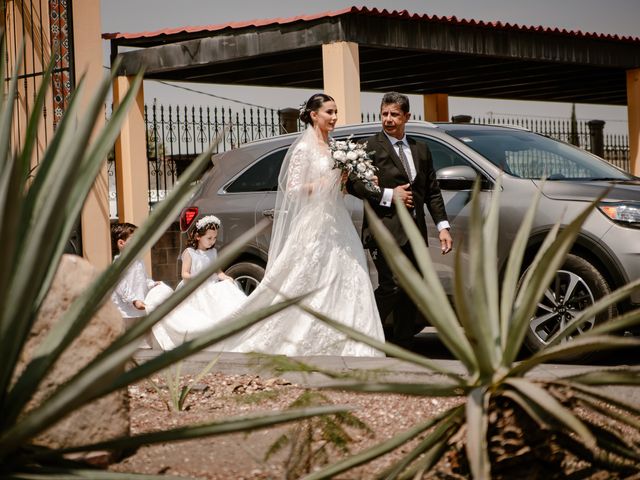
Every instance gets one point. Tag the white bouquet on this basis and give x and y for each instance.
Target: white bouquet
(352, 157)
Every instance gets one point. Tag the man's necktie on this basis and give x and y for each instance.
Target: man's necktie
(404, 159)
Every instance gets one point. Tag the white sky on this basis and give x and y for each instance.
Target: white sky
(621, 17)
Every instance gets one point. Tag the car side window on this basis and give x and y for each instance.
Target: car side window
(442, 155)
(262, 176)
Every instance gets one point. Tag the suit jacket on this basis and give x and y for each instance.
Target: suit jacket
(391, 173)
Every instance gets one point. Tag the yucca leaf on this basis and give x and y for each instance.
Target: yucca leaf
(230, 425)
(81, 472)
(596, 393)
(7, 102)
(614, 452)
(34, 259)
(513, 271)
(437, 438)
(612, 444)
(537, 280)
(607, 411)
(479, 329)
(31, 133)
(62, 334)
(82, 310)
(18, 168)
(491, 284)
(381, 448)
(429, 459)
(388, 348)
(616, 376)
(45, 206)
(91, 160)
(477, 425)
(579, 345)
(553, 409)
(12, 186)
(461, 295)
(427, 293)
(8, 185)
(530, 407)
(430, 389)
(9, 220)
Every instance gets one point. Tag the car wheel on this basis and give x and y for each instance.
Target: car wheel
(576, 286)
(247, 274)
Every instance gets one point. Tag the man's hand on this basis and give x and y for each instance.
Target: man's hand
(446, 242)
(404, 193)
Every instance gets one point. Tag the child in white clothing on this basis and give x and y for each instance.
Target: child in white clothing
(134, 285)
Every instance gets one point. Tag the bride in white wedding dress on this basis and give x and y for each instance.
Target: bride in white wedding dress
(314, 248)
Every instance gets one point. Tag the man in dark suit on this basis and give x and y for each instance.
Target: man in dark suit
(405, 171)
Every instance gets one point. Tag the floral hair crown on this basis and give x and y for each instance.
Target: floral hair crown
(303, 107)
(208, 220)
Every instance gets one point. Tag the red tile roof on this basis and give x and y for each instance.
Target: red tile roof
(365, 11)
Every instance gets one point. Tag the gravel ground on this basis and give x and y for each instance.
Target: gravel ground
(241, 456)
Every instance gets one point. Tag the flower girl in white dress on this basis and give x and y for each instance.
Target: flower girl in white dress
(215, 299)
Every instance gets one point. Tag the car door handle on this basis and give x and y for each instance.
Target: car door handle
(268, 213)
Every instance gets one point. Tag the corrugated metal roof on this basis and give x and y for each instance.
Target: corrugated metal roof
(167, 32)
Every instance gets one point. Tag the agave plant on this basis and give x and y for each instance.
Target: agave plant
(484, 329)
(37, 213)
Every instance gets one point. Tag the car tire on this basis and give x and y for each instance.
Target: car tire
(247, 275)
(588, 286)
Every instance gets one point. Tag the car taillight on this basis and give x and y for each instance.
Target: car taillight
(186, 217)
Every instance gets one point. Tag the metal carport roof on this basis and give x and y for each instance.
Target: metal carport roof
(417, 54)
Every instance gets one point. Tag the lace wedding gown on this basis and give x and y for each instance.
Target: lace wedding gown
(314, 248)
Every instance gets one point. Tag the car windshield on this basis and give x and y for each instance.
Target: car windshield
(529, 155)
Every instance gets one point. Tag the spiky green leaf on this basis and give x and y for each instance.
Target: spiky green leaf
(427, 293)
(477, 425)
(382, 448)
(553, 408)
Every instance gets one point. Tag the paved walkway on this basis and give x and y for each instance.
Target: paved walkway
(386, 368)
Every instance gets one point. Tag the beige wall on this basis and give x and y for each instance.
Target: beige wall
(436, 107)
(96, 239)
(633, 112)
(341, 72)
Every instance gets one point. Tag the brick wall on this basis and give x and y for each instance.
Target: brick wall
(165, 255)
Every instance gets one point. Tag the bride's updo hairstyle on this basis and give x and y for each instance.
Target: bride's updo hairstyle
(313, 105)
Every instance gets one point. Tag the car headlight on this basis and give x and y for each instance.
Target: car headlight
(627, 214)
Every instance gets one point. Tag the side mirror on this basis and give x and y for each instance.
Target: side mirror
(457, 177)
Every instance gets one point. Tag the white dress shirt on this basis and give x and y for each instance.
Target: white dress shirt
(387, 194)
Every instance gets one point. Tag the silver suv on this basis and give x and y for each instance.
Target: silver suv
(241, 189)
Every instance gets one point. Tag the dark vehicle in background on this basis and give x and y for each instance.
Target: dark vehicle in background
(241, 189)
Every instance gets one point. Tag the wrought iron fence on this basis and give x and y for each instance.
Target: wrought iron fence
(616, 147)
(177, 134)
